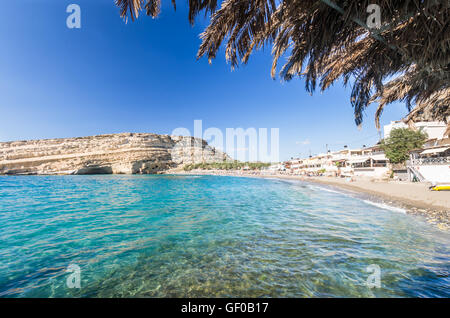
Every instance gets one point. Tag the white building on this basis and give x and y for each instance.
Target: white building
(276, 167)
(393, 125)
(434, 129)
(430, 164)
(368, 162)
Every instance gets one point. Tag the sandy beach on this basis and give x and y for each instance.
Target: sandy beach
(415, 198)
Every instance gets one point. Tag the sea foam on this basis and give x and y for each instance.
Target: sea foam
(385, 206)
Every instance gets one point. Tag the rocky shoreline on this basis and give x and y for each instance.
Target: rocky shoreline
(125, 153)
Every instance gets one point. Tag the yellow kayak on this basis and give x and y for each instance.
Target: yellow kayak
(444, 187)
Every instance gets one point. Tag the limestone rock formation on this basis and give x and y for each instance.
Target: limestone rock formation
(126, 153)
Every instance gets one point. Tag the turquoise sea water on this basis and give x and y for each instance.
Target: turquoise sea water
(188, 236)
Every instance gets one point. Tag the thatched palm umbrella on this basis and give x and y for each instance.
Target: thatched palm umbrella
(407, 59)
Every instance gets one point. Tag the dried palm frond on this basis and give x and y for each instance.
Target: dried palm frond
(407, 59)
(130, 7)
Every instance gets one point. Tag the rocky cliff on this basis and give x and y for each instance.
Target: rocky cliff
(127, 153)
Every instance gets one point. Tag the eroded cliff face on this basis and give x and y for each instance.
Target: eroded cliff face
(127, 153)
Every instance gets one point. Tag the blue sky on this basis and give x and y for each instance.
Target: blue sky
(111, 77)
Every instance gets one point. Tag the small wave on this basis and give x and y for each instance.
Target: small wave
(329, 190)
(181, 176)
(377, 204)
(319, 188)
(287, 180)
(380, 205)
(386, 206)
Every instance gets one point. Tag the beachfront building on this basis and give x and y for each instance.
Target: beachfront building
(393, 125)
(434, 129)
(372, 162)
(430, 163)
(369, 162)
(293, 166)
(276, 167)
(316, 165)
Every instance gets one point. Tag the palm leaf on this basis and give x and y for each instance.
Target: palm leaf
(408, 59)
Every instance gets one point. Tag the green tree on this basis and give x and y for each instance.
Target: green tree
(400, 142)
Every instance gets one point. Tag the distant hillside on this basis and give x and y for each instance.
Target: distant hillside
(126, 153)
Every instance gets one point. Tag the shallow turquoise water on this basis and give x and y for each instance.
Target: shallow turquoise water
(187, 236)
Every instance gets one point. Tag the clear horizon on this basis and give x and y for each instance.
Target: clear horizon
(112, 77)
